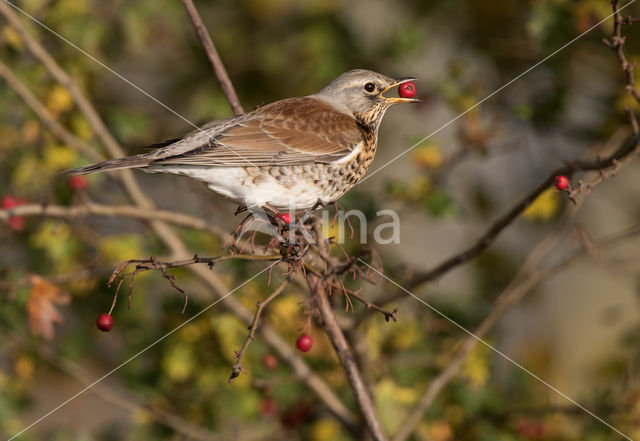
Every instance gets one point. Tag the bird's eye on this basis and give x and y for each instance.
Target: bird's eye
(370, 87)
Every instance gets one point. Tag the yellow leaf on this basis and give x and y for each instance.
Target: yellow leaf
(427, 156)
(59, 100)
(440, 430)
(24, 367)
(26, 172)
(388, 390)
(59, 157)
(178, 363)
(12, 37)
(119, 247)
(325, 429)
(81, 127)
(476, 366)
(419, 187)
(141, 416)
(56, 239)
(544, 207)
(406, 334)
(191, 332)
(30, 131)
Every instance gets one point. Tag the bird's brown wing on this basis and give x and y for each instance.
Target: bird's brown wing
(292, 131)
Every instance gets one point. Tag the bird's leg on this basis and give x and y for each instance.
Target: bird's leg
(241, 209)
(237, 234)
(338, 209)
(319, 203)
(270, 209)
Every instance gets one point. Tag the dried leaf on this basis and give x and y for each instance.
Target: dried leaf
(41, 308)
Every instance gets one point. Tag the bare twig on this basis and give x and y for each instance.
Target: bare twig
(214, 58)
(616, 44)
(152, 263)
(46, 117)
(237, 366)
(339, 342)
(112, 211)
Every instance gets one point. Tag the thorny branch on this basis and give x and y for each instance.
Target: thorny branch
(153, 264)
(237, 366)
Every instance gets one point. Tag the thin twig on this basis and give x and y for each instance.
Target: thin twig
(214, 57)
(111, 211)
(46, 117)
(237, 366)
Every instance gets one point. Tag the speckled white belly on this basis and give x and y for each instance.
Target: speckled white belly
(236, 184)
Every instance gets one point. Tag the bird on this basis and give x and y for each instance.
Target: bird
(290, 155)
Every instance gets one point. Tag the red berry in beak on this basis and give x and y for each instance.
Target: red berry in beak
(407, 90)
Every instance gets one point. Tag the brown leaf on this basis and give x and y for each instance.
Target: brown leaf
(41, 308)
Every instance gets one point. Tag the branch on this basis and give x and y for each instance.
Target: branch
(46, 117)
(237, 366)
(214, 58)
(616, 44)
(94, 209)
(339, 342)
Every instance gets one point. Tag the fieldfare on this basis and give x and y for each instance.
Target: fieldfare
(288, 155)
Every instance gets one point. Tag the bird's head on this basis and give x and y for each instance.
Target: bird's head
(360, 93)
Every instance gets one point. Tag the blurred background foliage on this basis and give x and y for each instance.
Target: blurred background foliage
(578, 332)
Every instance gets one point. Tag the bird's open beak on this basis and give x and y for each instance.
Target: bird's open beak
(394, 100)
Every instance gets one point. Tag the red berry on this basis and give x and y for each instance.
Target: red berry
(304, 342)
(407, 90)
(104, 322)
(561, 182)
(268, 407)
(270, 361)
(9, 202)
(77, 183)
(284, 217)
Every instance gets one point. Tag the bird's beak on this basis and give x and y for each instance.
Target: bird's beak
(394, 100)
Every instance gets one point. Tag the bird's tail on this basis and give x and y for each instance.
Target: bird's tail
(136, 161)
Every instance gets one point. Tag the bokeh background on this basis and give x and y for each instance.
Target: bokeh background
(578, 329)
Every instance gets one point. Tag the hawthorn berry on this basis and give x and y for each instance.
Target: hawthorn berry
(9, 202)
(561, 182)
(77, 183)
(304, 342)
(407, 90)
(268, 407)
(104, 322)
(284, 217)
(270, 361)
